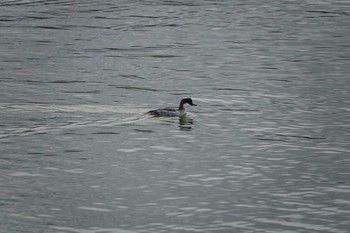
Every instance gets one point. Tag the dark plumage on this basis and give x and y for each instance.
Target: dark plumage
(173, 112)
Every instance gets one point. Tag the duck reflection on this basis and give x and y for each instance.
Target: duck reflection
(186, 123)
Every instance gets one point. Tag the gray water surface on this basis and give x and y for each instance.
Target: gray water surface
(266, 149)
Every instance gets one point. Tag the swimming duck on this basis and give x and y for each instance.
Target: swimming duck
(173, 112)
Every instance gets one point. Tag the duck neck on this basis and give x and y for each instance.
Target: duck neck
(181, 106)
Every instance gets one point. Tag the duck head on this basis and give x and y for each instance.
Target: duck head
(186, 101)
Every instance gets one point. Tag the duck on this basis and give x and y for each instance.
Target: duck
(173, 112)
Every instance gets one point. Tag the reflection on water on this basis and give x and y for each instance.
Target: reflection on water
(186, 123)
(266, 150)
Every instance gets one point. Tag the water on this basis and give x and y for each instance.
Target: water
(266, 149)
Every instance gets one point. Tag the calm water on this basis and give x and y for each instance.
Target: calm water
(267, 149)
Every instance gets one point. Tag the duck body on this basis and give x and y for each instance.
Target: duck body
(173, 112)
(168, 112)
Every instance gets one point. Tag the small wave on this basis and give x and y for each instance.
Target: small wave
(134, 88)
